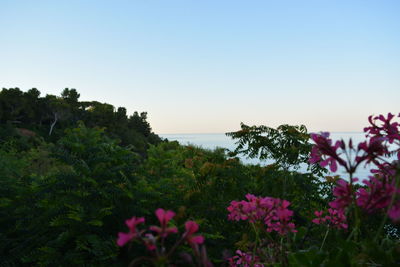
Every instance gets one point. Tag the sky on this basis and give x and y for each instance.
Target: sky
(205, 66)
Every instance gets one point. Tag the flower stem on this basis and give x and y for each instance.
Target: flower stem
(356, 210)
(257, 241)
(323, 241)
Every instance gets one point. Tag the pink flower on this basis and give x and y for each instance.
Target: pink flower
(377, 195)
(324, 153)
(334, 218)
(280, 221)
(164, 217)
(385, 169)
(343, 193)
(387, 129)
(253, 210)
(394, 212)
(191, 228)
(244, 259)
(319, 219)
(331, 162)
(272, 211)
(373, 149)
(124, 238)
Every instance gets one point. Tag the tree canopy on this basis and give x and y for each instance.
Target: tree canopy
(48, 116)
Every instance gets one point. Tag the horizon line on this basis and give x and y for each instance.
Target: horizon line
(229, 132)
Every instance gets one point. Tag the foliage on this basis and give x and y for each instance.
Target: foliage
(200, 184)
(50, 115)
(353, 213)
(66, 192)
(67, 217)
(287, 145)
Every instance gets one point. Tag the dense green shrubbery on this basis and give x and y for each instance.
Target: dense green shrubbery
(63, 203)
(64, 196)
(67, 215)
(202, 183)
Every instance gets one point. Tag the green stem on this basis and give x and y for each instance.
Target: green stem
(175, 246)
(257, 241)
(356, 210)
(351, 234)
(323, 241)
(136, 261)
(282, 252)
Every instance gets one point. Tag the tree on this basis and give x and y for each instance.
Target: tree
(71, 96)
(12, 105)
(58, 109)
(287, 145)
(70, 214)
(49, 116)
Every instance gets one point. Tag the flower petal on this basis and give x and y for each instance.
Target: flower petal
(124, 238)
(198, 239)
(191, 227)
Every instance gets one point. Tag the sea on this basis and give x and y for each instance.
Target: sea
(214, 140)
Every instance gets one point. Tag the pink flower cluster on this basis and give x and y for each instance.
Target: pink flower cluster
(377, 194)
(272, 211)
(244, 259)
(371, 150)
(344, 194)
(336, 213)
(324, 153)
(161, 232)
(387, 129)
(380, 190)
(334, 218)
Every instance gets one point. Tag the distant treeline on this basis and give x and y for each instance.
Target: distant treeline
(29, 114)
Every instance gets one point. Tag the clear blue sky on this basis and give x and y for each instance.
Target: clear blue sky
(206, 66)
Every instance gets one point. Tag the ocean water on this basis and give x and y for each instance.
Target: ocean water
(214, 140)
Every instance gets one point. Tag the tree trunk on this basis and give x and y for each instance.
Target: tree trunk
(54, 123)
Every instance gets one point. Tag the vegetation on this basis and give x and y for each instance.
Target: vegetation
(28, 115)
(72, 175)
